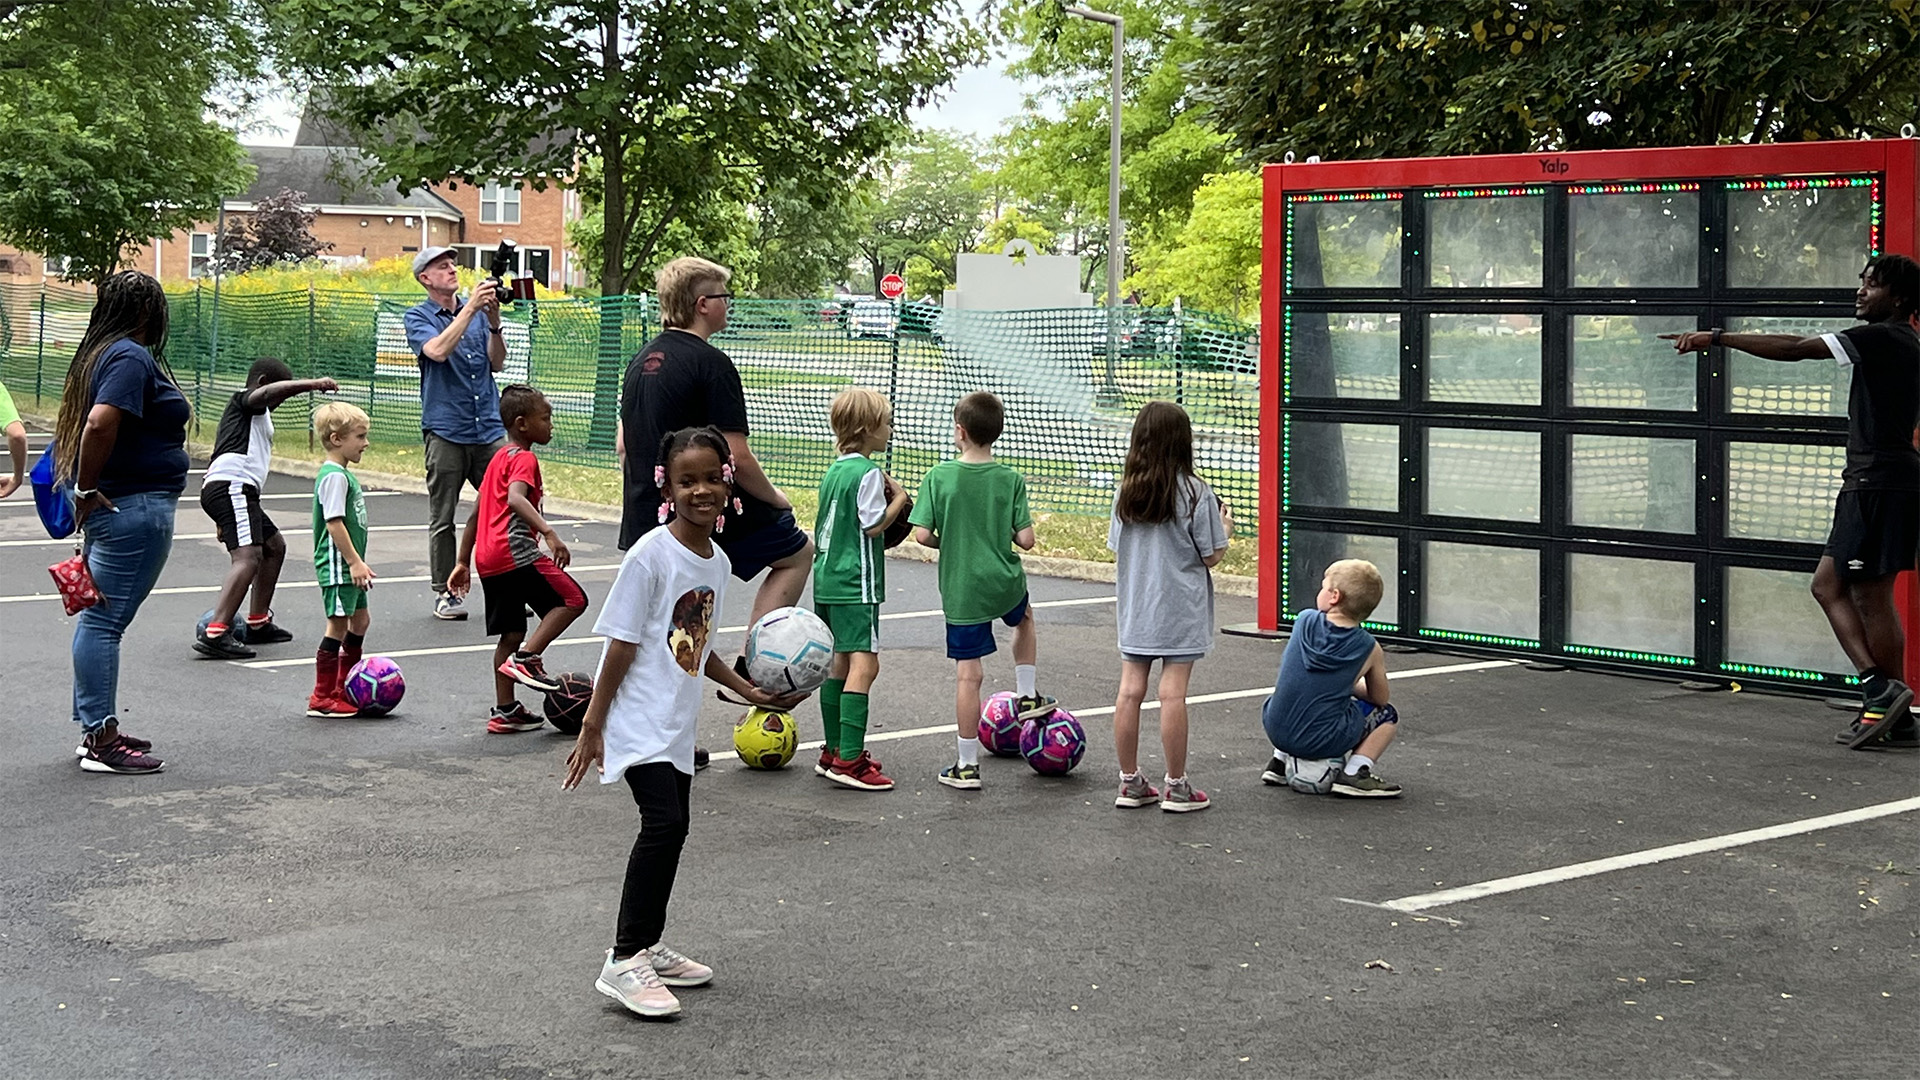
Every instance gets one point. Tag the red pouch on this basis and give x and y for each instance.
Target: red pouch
(75, 582)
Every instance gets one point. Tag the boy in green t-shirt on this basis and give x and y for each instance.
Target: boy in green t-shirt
(858, 502)
(339, 550)
(970, 509)
(16, 433)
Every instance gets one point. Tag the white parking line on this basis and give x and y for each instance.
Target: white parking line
(1107, 710)
(189, 590)
(449, 650)
(11, 504)
(177, 537)
(1425, 901)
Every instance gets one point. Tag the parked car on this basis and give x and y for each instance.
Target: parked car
(920, 319)
(873, 318)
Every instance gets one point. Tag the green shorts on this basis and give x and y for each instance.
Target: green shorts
(856, 627)
(342, 600)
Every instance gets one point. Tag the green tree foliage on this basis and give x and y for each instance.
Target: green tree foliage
(1058, 167)
(104, 117)
(1213, 260)
(925, 204)
(669, 97)
(1015, 224)
(1404, 78)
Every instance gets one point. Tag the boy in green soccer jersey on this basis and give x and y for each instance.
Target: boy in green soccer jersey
(858, 501)
(970, 509)
(339, 548)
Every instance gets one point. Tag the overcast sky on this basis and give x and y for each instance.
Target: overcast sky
(978, 103)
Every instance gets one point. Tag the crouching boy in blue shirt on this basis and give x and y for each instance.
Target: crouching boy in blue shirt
(1330, 699)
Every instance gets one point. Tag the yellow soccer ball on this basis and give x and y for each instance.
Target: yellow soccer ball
(765, 739)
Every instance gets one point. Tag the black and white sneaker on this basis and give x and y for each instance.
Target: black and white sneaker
(221, 646)
(1276, 773)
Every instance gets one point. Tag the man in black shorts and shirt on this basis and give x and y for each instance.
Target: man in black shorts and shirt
(679, 380)
(1876, 518)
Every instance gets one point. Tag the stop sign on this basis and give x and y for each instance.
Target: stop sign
(893, 286)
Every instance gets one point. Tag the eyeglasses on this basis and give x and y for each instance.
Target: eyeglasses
(716, 296)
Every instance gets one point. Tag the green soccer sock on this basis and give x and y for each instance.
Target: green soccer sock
(830, 721)
(853, 724)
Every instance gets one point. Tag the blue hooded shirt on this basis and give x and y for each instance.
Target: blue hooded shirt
(1312, 713)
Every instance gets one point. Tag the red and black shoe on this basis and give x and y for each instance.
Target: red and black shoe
(530, 671)
(118, 756)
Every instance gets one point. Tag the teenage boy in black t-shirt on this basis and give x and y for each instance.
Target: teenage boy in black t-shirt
(1876, 518)
(680, 380)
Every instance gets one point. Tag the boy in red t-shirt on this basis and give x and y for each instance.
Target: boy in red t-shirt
(502, 545)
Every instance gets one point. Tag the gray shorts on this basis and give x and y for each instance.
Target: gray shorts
(1176, 658)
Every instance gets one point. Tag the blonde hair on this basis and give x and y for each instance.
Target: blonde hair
(679, 284)
(338, 418)
(1360, 587)
(854, 414)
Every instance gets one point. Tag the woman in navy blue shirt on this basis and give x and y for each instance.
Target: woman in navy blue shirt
(121, 439)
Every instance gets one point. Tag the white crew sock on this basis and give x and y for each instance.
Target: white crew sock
(969, 751)
(1023, 679)
(1356, 762)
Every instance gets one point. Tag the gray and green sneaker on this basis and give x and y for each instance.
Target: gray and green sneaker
(966, 777)
(1365, 785)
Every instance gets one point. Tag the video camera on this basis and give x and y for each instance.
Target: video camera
(500, 269)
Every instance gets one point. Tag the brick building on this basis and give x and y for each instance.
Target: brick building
(365, 223)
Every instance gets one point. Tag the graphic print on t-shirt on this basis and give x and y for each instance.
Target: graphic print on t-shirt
(692, 622)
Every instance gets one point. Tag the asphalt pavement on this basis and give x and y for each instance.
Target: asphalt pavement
(413, 897)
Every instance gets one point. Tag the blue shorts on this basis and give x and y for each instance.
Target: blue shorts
(761, 548)
(1361, 720)
(971, 641)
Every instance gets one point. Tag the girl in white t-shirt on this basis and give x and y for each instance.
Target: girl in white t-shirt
(659, 621)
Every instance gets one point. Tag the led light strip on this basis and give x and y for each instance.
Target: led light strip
(1623, 654)
(1784, 673)
(1479, 639)
(1632, 189)
(1484, 193)
(1347, 196)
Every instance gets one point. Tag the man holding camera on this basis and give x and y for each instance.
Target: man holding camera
(459, 348)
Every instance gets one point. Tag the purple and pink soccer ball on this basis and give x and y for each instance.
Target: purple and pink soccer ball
(375, 686)
(1000, 724)
(1053, 744)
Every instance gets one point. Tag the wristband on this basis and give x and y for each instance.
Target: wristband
(1714, 337)
(82, 496)
(493, 330)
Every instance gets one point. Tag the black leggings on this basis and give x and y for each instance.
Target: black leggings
(661, 792)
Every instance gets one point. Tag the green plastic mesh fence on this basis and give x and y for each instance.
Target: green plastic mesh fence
(1072, 379)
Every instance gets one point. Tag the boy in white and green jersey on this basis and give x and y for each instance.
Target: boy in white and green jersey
(339, 547)
(857, 503)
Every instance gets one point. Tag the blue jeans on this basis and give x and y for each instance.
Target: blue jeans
(125, 552)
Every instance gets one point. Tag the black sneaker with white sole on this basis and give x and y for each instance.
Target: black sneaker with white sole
(221, 646)
(267, 633)
(1276, 772)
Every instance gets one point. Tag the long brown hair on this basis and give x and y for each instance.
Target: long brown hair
(1159, 464)
(128, 303)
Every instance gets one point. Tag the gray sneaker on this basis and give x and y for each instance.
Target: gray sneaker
(1365, 785)
(634, 983)
(1183, 798)
(1135, 792)
(676, 969)
(450, 607)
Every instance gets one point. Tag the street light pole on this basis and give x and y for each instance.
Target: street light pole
(1116, 235)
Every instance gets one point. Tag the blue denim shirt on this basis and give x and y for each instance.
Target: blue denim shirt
(459, 400)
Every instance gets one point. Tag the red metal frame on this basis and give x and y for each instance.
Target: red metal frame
(1896, 159)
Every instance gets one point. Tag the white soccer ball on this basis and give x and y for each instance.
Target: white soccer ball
(789, 651)
(1311, 776)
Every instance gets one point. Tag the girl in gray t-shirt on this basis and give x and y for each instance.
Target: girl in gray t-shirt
(1168, 531)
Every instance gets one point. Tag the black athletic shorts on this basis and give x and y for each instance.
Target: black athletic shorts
(540, 585)
(237, 517)
(1875, 533)
(755, 551)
